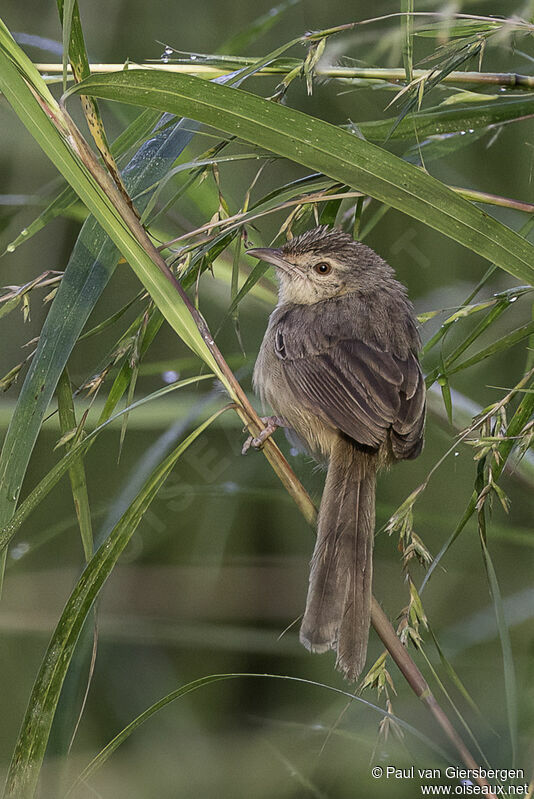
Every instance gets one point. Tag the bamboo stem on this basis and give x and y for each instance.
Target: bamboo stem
(508, 79)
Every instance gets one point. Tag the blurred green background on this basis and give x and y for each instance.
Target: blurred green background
(218, 568)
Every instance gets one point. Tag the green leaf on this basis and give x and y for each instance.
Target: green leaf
(442, 145)
(446, 394)
(504, 343)
(77, 477)
(124, 734)
(66, 11)
(497, 308)
(510, 686)
(324, 148)
(29, 751)
(439, 120)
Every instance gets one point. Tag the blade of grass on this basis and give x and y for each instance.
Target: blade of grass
(251, 33)
(510, 686)
(502, 344)
(29, 751)
(493, 314)
(453, 676)
(124, 734)
(78, 481)
(66, 11)
(523, 413)
(75, 52)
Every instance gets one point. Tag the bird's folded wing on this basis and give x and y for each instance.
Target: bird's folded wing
(362, 391)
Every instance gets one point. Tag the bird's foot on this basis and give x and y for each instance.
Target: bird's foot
(271, 423)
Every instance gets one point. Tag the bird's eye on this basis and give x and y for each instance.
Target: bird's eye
(322, 268)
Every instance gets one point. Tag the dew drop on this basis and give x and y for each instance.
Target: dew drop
(513, 299)
(165, 55)
(462, 133)
(10, 248)
(24, 232)
(193, 57)
(456, 454)
(471, 130)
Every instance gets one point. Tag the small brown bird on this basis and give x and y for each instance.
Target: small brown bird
(339, 367)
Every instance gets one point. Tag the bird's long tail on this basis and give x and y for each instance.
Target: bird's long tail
(338, 607)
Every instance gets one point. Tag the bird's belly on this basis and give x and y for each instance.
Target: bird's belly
(316, 435)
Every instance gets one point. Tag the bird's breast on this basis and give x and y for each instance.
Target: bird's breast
(317, 435)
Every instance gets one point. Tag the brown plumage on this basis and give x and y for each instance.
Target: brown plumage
(339, 365)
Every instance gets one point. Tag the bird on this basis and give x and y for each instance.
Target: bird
(339, 367)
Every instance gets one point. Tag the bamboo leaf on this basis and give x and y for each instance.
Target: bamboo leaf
(324, 148)
(75, 52)
(407, 37)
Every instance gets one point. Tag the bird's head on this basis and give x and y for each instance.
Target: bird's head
(321, 264)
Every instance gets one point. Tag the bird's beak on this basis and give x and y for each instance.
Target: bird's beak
(271, 255)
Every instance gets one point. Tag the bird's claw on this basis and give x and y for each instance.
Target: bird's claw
(271, 424)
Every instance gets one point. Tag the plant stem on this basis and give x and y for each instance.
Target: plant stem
(493, 199)
(509, 79)
(419, 685)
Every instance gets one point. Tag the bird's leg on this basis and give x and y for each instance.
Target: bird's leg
(271, 423)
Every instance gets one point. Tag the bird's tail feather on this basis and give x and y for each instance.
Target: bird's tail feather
(338, 607)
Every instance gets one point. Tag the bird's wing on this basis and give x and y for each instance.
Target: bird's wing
(361, 390)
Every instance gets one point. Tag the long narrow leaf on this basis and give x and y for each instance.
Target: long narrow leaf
(78, 481)
(510, 686)
(29, 751)
(114, 744)
(327, 149)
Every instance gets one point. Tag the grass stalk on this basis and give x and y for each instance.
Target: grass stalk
(395, 75)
